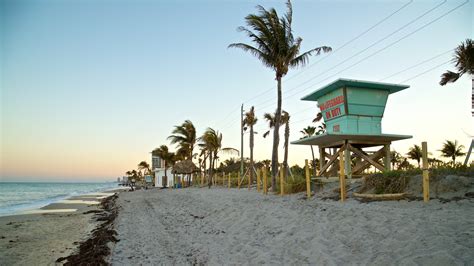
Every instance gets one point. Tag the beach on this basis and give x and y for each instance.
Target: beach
(221, 226)
(229, 226)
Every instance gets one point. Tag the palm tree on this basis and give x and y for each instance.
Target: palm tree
(452, 150)
(185, 136)
(167, 156)
(308, 132)
(415, 153)
(132, 175)
(250, 120)
(277, 48)
(464, 62)
(211, 143)
(145, 167)
(285, 119)
(395, 158)
(321, 127)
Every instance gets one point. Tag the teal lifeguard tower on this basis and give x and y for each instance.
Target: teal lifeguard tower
(352, 111)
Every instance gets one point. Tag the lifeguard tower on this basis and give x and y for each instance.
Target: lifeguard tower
(352, 111)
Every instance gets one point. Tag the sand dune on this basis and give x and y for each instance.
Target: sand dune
(221, 226)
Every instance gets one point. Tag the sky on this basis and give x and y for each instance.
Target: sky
(89, 88)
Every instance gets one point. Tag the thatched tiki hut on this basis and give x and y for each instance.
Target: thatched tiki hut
(184, 168)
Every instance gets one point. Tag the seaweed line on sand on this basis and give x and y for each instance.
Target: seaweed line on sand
(95, 250)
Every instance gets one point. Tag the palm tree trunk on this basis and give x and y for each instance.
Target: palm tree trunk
(313, 162)
(251, 156)
(285, 158)
(276, 137)
(210, 170)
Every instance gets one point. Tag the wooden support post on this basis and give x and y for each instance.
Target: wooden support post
(228, 182)
(238, 180)
(265, 188)
(388, 159)
(282, 185)
(347, 162)
(202, 180)
(258, 180)
(308, 181)
(426, 176)
(342, 177)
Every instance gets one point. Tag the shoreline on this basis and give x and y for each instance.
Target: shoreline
(41, 205)
(42, 236)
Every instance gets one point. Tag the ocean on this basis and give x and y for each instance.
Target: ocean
(16, 197)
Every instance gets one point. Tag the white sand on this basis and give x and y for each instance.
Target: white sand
(221, 226)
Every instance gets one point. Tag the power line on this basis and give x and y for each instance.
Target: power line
(355, 38)
(384, 48)
(424, 72)
(368, 47)
(376, 52)
(416, 65)
(336, 50)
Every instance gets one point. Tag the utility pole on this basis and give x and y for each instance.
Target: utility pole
(242, 140)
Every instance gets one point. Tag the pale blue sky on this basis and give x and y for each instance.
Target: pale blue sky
(88, 88)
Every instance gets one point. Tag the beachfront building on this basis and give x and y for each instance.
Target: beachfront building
(158, 167)
(352, 111)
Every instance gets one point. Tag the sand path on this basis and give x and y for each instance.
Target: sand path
(221, 226)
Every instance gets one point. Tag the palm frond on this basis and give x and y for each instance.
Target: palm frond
(448, 77)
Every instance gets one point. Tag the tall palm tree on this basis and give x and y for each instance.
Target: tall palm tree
(464, 62)
(285, 119)
(211, 142)
(415, 153)
(249, 121)
(185, 136)
(277, 48)
(167, 156)
(452, 150)
(308, 132)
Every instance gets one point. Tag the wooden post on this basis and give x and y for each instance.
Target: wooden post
(282, 186)
(426, 175)
(347, 162)
(248, 178)
(308, 182)
(228, 182)
(202, 180)
(265, 188)
(342, 177)
(238, 180)
(258, 180)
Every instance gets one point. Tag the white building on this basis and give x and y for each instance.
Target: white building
(158, 167)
